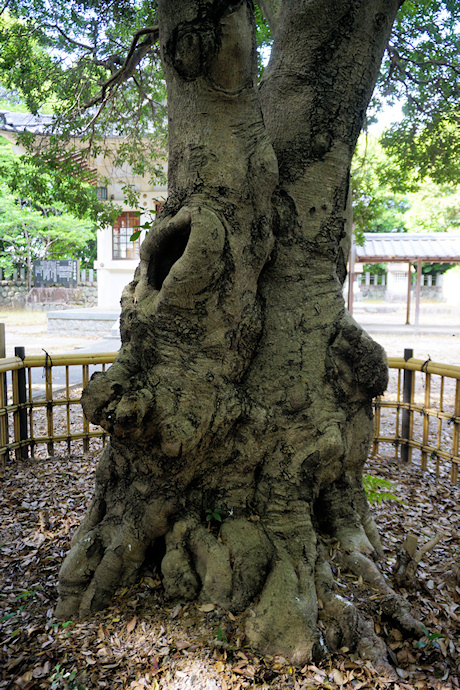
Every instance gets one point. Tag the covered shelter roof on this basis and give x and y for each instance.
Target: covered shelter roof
(436, 247)
(409, 248)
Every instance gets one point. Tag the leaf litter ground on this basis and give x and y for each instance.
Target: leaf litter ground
(143, 642)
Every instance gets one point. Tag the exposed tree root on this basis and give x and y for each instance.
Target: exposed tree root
(409, 558)
(274, 568)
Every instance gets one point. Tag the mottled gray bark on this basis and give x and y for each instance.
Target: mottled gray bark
(242, 383)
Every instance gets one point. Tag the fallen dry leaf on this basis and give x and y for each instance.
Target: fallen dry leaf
(132, 624)
(206, 608)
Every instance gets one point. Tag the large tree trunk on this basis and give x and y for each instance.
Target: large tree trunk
(242, 383)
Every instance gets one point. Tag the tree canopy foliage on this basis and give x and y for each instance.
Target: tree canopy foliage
(376, 207)
(379, 206)
(422, 68)
(95, 64)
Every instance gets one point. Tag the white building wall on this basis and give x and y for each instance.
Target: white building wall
(110, 285)
(451, 286)
(397, 277)
(114, 274)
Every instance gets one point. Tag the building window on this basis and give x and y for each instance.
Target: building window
(101, 193)
(400, 277)
(122, 246)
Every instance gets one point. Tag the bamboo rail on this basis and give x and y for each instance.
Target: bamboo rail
(441, 443)
(43, 408)
(434, 425)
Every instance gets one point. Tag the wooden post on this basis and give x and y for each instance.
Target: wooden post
(4, 435)
(417, 291)
(351, 274)
(409, 288)
(406, 413)
(21, 427)
(456, 434)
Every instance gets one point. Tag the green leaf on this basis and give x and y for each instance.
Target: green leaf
(135, 235)
(371, 488)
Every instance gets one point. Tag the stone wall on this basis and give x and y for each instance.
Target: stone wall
(14, 295)
(75, 322)
(371, 292)
(378, 292)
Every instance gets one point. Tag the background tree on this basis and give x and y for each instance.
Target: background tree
(434, 208)
(376, 207)
(421, 69)
(29, 232)
(81, 61)
(419, 206)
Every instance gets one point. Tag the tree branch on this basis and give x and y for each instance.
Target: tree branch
(271, 10)
(72, 41)
(153, 104)
(397, 58)
(135, 54)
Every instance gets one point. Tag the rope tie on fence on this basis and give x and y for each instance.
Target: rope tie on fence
(425, 364)
(48, 362)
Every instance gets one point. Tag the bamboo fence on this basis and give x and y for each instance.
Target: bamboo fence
(421, 411)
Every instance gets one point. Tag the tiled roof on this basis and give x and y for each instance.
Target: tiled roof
(20, 122)
(441, 247)
(38, 124)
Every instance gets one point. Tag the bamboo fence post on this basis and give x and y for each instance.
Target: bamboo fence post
(4, 436)
(406, 413)
(456, 434)
(426, 421)
(20, 393)
(49, 403)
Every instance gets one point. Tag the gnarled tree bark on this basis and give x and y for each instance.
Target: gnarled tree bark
(242, 382)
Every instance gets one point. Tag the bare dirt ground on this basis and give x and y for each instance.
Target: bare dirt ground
(386, 323)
